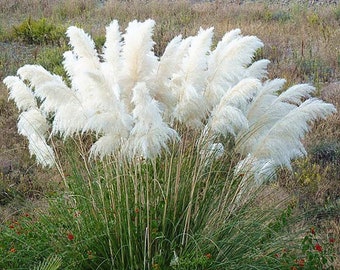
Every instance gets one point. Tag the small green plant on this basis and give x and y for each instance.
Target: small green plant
(51, 58)
(281, 16)
(314, 69)
(53, 262)
(314, 253)
(39, 32)
(337, 13)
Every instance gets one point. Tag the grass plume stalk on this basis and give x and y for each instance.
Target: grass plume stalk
(167, 155)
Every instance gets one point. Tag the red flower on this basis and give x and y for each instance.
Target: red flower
(331, 240)
(318, 247)
(70, 236)
(312, 230)
(13, 250)
(300, 262)
(208, 256)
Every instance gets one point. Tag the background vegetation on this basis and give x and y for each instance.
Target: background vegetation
(301, 41)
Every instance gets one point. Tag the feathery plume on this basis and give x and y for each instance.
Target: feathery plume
(112, 45)
(33, 125)
(257, 69)
(189, 82)
(295, 94)
(282, 142)
(83, 46)
(20, 93)
(50, 89)
(41, 150)
(138, 58)
(226, 65)
(150, 134)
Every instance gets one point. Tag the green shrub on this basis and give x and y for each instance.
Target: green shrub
(337, 13)
(51, 58)
(39, 32)
(281, 16)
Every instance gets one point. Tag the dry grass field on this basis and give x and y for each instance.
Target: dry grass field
(301, 41)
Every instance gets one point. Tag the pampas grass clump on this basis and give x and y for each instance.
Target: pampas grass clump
(133, 100)
(179, 145)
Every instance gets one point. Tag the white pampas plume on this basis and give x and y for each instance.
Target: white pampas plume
(241, 94)
(32, 124)
(20, 93)
(110, 68)
(228, 117)
(195, 63)
(226, 65)
(69, 119)
(167, 62)
(282, 142)
(295, 94)
(70, 63)
(50, 89)
(189, 82)
(106, 145)
(42, 151)
(167, 66)
(260, 170)
(138, 58)
(265, 96)
(150, 134)
(109, 122)
(228, 120)
(181, 53)
(112, 46)
(257, 69)
(83, 46)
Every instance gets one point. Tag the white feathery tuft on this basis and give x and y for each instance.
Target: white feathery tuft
(150, 134)
(42, 151)
(83, 46)
(227, 64)
(266, 95)
(20, 93)
(188, 83)
(241, 94)
(69, 120)
(109, 144)
(167, 66)
(260, 170)
(33, 125)
(70, 64)
(228, 120)
(295, 94)
(50, 89)
(257, 69)
(194, 64)
(112, 46)
(228, 117)
(137, 55)
(32, 122)
(282, 142)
